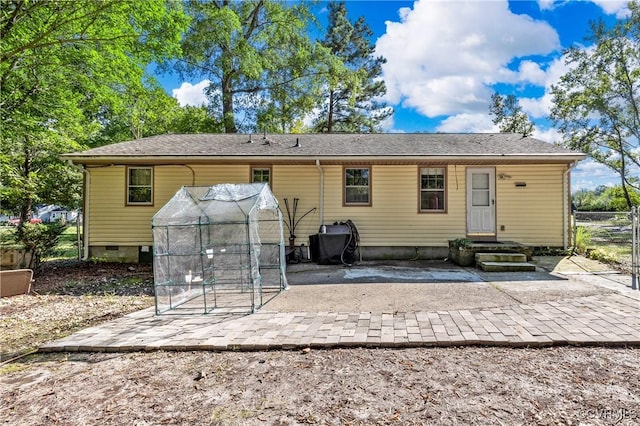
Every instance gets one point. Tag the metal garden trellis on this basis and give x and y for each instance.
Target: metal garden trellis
(217, 249)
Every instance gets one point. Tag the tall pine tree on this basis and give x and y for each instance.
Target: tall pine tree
(352, 99)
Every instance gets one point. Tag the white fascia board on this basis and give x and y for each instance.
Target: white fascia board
(184, 159)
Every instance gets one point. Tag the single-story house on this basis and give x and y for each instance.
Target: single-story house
(53, 213)
(407, 194)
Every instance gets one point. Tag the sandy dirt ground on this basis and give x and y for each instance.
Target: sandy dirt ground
(351, 386)
(449, 386)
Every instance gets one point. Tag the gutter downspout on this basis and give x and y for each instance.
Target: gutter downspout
(566, 210)
(86, 180)
(321, 201)
(85, 213)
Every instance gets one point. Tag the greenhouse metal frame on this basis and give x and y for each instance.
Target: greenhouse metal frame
(218, 250)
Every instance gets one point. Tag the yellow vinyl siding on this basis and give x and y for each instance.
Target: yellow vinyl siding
(533, 214)
(218, 174)
(302, 182)
(111, 222)
(393, 218)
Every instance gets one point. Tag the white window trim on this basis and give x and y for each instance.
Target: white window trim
(262, 168)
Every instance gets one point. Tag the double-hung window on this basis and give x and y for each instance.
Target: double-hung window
(357, 186)
(261, 175)
(140, 186)
(432, 189)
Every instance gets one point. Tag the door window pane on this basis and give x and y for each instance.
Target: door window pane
(480, 198)
(480, 189)
(480, 181)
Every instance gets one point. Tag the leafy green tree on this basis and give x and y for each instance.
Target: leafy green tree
(352, 97)
(195, 119)
(140, 111)
(616, 198)
(583, 199)
(604, 198)
(62, 64)
(292, 95)
(39, 240)
(508, 115)
(597, 103)
(258, 57)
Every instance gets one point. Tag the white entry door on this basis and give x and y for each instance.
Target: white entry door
(481, 203)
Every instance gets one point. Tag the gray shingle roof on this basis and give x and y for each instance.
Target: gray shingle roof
(379, 145)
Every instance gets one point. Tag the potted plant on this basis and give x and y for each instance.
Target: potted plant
(461, 252)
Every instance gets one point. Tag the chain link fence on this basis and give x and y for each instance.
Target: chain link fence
(609, 236)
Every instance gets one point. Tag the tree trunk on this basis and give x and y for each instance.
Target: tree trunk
(27, 202)
(625, 191)
(330, 114)
(228, 118)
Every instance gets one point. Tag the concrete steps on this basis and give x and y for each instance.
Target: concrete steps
(503, 262)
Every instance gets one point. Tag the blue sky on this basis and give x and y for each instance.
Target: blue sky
(446, 58)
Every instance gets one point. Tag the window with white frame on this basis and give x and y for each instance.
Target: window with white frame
(261, 175)
(432, 189)
(357, 186)
(140, 185)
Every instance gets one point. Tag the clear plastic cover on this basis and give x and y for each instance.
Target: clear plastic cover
(218, 249)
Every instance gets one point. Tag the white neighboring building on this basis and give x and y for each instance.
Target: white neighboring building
(53, 213)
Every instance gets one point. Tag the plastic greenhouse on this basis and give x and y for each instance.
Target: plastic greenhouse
(218, 249)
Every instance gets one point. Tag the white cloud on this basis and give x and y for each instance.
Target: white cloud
(589, 175)
(468, 123)
(619, 8)
(614, 7)
(546, 4)
(191, 94)
(441, 56)
(547, 135)
(388, 125)
(537, 107)
(541, 107)
(531, 72)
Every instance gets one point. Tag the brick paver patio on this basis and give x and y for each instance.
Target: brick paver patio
(607, 319)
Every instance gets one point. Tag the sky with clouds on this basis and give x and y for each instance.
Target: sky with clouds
(446, 58)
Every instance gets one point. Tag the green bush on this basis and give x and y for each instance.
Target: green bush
(603, 256)
(461, 243)
(38, 239)
(582, 239)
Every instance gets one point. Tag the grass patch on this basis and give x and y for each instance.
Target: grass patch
(13, 368)
(610, 253)
(29, 321)
(67, 247)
